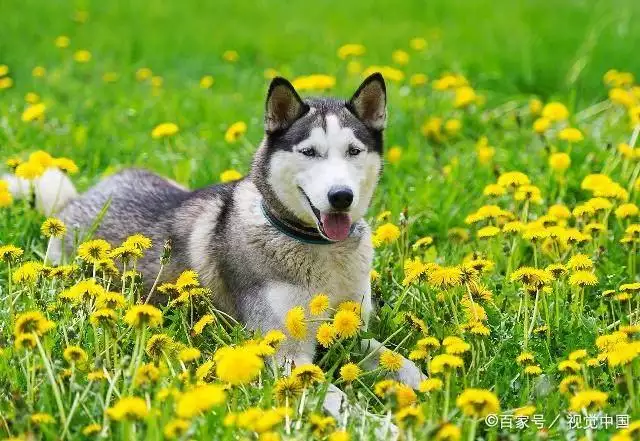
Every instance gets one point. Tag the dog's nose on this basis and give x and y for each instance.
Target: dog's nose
(340, 197)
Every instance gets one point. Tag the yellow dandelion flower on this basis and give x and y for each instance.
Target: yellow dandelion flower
(200, 399)
(391, 361)
(237, 365)
(350, 50)
(588, 400)
(128, 408)
(205, 320)
(295, 322)
(143, 315)
(478, 403)
(346, 323)
(326, 335)
(349, 372)
(555, 111)
(235, 132)
(444, 363)
(230, 175)
(308, 374)
(82, 56)
(430, 385)
(53, 228)
(164, 130)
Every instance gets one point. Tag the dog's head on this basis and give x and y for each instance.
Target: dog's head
(321, 158)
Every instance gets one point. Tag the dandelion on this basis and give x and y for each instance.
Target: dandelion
(326, 335)
(625, 211)
(555, 111)
(75, 355)
(66, 165)
(164, 130)
(445, 363)
(351, 50)
(235, 132)
(400, 57)
(287, 388)
(128, 408)
(346, 323)
(445, 277)
(513, 180)
(571, 384)
(147, 374)
(418, 79)
(42, 419)
(143, 315)
(32, 322)
(350, 372)
(394, 154)
(27, 273)
(295, 322)
(205, 320)
(158, 344)
(10, 253)
(143, 73)
(339, 435)
(588, 400)
(314, 82)
(387, 233)
(200, 399)
(308, 374)
(34, 112)
(237, 365)
(230, 175)
(391, 361)
(533, 370)
(53, 227)
(187, 355)
(582, 279)
(319, 304)
(94, 251)
(478, 403)
(541, 125)
(430, 385)
(175, 428)
(448, 432)
(464, 96)
(231, 56)
(82, 56)
(570, 134)
(559, 162)
(29, 170)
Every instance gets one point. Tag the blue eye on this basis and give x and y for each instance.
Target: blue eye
(309, 152)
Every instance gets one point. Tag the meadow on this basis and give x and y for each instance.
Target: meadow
(506, 223)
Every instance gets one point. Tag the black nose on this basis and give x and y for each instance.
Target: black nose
(340, 197)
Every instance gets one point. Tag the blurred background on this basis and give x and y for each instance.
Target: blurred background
(526, 46)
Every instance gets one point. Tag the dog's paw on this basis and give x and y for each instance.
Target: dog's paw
(410, 374)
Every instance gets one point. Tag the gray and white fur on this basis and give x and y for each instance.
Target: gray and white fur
(315, 171)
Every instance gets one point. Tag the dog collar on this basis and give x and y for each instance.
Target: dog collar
(297, 231)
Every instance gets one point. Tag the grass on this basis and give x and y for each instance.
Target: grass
(510, 53)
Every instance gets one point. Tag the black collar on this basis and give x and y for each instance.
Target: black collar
(295, 230)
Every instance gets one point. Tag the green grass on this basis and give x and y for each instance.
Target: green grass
(509, 51)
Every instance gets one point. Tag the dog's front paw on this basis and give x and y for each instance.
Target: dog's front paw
(410, 374)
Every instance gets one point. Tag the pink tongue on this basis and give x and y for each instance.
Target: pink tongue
(336, 225)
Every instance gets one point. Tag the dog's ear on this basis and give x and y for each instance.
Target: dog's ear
(369, 103)
(283, 107)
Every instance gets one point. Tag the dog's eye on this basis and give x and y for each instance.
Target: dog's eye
(309, 151)
(353, 151)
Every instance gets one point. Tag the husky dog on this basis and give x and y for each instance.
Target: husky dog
(291, 229)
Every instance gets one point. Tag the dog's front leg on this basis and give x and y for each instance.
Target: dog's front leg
(408, 374)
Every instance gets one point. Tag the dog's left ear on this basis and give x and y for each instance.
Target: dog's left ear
(284, 106)
(369, 103)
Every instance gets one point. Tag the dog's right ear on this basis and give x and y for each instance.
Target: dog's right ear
(284, 106)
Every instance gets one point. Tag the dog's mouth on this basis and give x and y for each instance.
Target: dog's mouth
(334, 225)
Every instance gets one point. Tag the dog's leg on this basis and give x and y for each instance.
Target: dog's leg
(408, 374)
